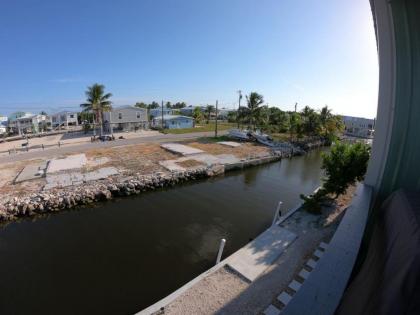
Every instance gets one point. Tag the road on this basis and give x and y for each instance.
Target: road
(50, 153)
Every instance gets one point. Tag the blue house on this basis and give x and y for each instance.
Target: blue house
(158, 112)
(173, 122)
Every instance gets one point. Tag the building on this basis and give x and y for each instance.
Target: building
(64, 119)
(223, 113)
(188, 111)
(359, 127)
(29, 123)
(126, 118)
(158, 112)
(3, 125)
(173, 122)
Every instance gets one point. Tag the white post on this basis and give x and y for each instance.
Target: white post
(219, 254)
(277, 213)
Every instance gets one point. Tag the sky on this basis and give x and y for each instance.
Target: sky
(311, 52)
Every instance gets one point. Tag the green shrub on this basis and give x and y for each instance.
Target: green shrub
(343, 165)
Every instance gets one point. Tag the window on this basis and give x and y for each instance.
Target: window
(119, 115)
(71, 116)
(138, 115)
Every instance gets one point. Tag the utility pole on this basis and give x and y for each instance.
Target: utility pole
(162, 114)
(215, 130)
(239, 106)
(295, 107)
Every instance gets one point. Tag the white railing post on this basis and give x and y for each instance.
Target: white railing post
(277, 213)
(219, 254)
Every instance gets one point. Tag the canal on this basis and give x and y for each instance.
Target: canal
(121, 256)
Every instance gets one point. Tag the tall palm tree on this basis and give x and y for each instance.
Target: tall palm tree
(311, 121)
(254, 101)
(324, 115)
(209, 109)
(197, 115)
(97, 102)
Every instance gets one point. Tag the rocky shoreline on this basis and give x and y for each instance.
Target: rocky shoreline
(116, 186)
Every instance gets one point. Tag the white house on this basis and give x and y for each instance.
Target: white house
(64, 119)
(158, 112)
(173, 122)
(29, 123)
(126, 118)
(3, 124)
(358, 126)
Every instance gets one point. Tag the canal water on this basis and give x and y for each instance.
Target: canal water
(121, 256)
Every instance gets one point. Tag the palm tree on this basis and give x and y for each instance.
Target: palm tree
(209, 110)
(324, 115)
(97, 102)
(254, 101)
(311, 121)
(197, 115)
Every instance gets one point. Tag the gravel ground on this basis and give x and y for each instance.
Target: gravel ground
(209, 295)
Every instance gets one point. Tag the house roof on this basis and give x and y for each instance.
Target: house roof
(169, 117)
(64, 112)
(27, 116)
(127, 107)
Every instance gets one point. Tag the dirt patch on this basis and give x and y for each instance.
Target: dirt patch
(340, 205)
(246, 150)
(143, 158)
(209, 295)
(8, 173)
(189, 163)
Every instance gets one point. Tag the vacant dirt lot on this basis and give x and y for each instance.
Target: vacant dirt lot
(132, 159)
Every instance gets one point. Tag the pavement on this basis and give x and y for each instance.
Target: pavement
(78, 148)
(32, 171)
(254, 258)
(181, 149)
(76, 161)
(77, 178)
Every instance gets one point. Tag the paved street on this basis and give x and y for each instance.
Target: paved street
(49, 153)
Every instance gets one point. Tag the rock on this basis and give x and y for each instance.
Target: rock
(216, 169)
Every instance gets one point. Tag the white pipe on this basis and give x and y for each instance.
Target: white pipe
(277, 213)
(219, 254)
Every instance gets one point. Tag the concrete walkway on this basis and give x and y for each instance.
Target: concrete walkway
(254, 258)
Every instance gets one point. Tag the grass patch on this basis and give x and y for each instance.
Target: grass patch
(201, 128)
(280, 136)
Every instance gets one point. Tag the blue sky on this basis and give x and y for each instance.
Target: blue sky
(306, 51)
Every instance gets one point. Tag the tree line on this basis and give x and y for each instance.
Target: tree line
(307, 122)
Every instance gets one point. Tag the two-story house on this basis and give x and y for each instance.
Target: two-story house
(125, 118)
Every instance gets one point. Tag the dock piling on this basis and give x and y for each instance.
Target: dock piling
(219, 254)
(277, 214)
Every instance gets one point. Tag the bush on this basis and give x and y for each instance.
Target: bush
(344, 165)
